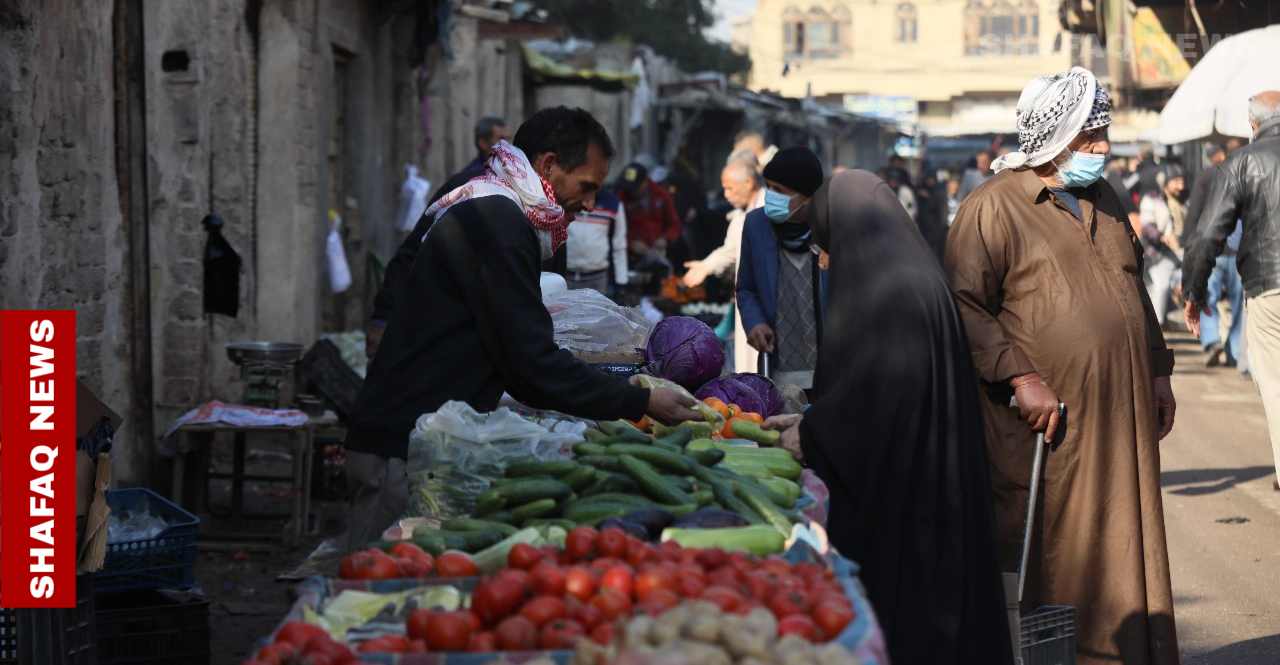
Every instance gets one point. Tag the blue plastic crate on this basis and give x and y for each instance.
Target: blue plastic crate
(64, 636)
(166, 561)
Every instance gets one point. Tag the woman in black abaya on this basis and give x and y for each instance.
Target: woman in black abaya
(897, 435)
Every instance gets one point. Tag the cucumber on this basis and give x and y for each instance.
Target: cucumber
(727, 496)
(602, 462)
(494, 558)
(710, 457)
(467, 541)
(703, 497)
(758, 540)
(489, 501)
(587, 448)
(679, 509)
(533, 490)
(668, 446)
(580, 478)
(747, 469)
(680, 482)
(656, 456)
(622, 428)
(652, 483)
(751, 451)
(501, 516)
(594, 435)
(532, 509)
(753, 432)
(701, 444)
(593, 512)
(776, 498)
(783, 468)
(556, 468)
(453, 541)
(677, 437)
(613, 483)
(783, 486)
(503, 482)
(549, 521)
(467, 524)
(765, 508)
(639, 502)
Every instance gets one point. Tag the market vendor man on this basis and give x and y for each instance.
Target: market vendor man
(470, 323)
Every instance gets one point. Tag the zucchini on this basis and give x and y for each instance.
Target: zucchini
(533, 509)
(533, 490)
(613, 483)
(758, 540)
(710, 457)
(494, 558)
(753, 432)
(765, 508)
(555, 468)
(783, 468)
(602, 462)
(580, 478)
(587, 448)
(467, 524)
(747, 469)
(652, 483)
(655, 456)
(593, 512)
(776, 498)
(701, 444)
(737, 450)
(783, 486)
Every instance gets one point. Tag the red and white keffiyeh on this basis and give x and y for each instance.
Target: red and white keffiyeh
(508, 173)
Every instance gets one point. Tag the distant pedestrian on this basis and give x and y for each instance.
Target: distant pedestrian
(596, 256)
(1244, 194)
(652, 220)
(754, 141)
(1162, 214)
(1145, 172)
(953, 200)
(975, 176)
(898, 181)
(1117, 172)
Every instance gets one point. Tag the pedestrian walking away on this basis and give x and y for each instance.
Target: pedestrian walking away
(1047, 272)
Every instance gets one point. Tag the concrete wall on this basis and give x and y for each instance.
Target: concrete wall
(62, 239)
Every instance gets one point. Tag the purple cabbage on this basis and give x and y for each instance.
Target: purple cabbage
(766, 390)
(752, 392)
(684, 350)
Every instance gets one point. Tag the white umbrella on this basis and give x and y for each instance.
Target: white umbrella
(1213, 101)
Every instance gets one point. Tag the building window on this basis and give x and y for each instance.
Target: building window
(976, 17)
(906, 23)
(793, 33)
(1002, 29)
(816, 34)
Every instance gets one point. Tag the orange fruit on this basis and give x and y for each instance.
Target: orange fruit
(642, 425)
(727, 432)
(753, 417)
(719, 406)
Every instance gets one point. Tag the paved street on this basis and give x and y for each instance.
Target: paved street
(1217, 465)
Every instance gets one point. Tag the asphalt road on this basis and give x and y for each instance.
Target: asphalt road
(1222, 517)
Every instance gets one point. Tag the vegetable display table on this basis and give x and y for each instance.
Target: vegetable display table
(198, 440)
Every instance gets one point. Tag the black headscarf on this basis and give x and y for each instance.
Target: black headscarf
(897, 435)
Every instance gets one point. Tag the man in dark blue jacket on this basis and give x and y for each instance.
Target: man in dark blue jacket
(781, 288)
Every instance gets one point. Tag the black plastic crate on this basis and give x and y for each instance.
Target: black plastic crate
(63, 636)
(153, 627)
(1049, 636)
(166, 561)
(331, 376)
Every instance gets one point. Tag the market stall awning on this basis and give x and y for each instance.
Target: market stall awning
(1213, 101)
(541, 64)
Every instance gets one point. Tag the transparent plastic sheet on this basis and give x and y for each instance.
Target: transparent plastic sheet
(138, 523)
(584, 320)
(455, 452)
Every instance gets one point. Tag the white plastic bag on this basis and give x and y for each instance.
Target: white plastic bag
(584, 320)
(455, 452)
(413, 199)
(339, 270)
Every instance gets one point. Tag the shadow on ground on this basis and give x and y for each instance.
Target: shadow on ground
(1259, 651)
(1192, 482)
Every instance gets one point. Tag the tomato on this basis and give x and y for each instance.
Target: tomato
(447, 631)
(724, 597)
(416, 625)
(476, 624)
(496, 598)
(298, 632)
(588, 615)
(633, 544)
(832, 616)
(385, 644)
(255, 661)
(669, 551)
(612, 603)
(798, 624)
(603, 634)
(407, 550)
(524, 556)
(378, 565)
(653, 580)
(347, 569)
(605, 564)
(747, 606)
(416, 646)
(659, 600)
(691, 587)
(788, 585)
(411, 568)
(516, 634)
(619, 579)
(712, 558)
(787, 604)
(776, 565)
(519, 576)
(581, 583)
(278, 653)
(809, 571)
(547, 579)
(562, 634)
(551, 553)
(727, 577)
(455, 564)
(687, 570)
(543, 610)
(743, 561)
(644, 552)
(323, 645)
(580, 544)
(612, 543)
(481, 642)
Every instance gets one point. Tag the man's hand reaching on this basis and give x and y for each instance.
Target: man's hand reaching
(670, 407)
(789, 425)
(1191, 314)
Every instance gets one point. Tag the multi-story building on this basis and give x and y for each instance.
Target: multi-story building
(950, 67)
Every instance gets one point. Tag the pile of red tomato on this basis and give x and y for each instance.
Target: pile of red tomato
(549, 599)
(404, 560)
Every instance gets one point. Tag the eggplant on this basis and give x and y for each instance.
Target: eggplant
(710, 518)
(627, 527)
(654, 520)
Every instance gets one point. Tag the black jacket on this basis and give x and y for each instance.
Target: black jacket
(1247, 188)
(470, 325)
(1195, 204)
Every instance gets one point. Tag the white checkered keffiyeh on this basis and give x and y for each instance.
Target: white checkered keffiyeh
(1051, 111)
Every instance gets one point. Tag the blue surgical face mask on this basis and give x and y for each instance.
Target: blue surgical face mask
(777, 207)
(1084, 169)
